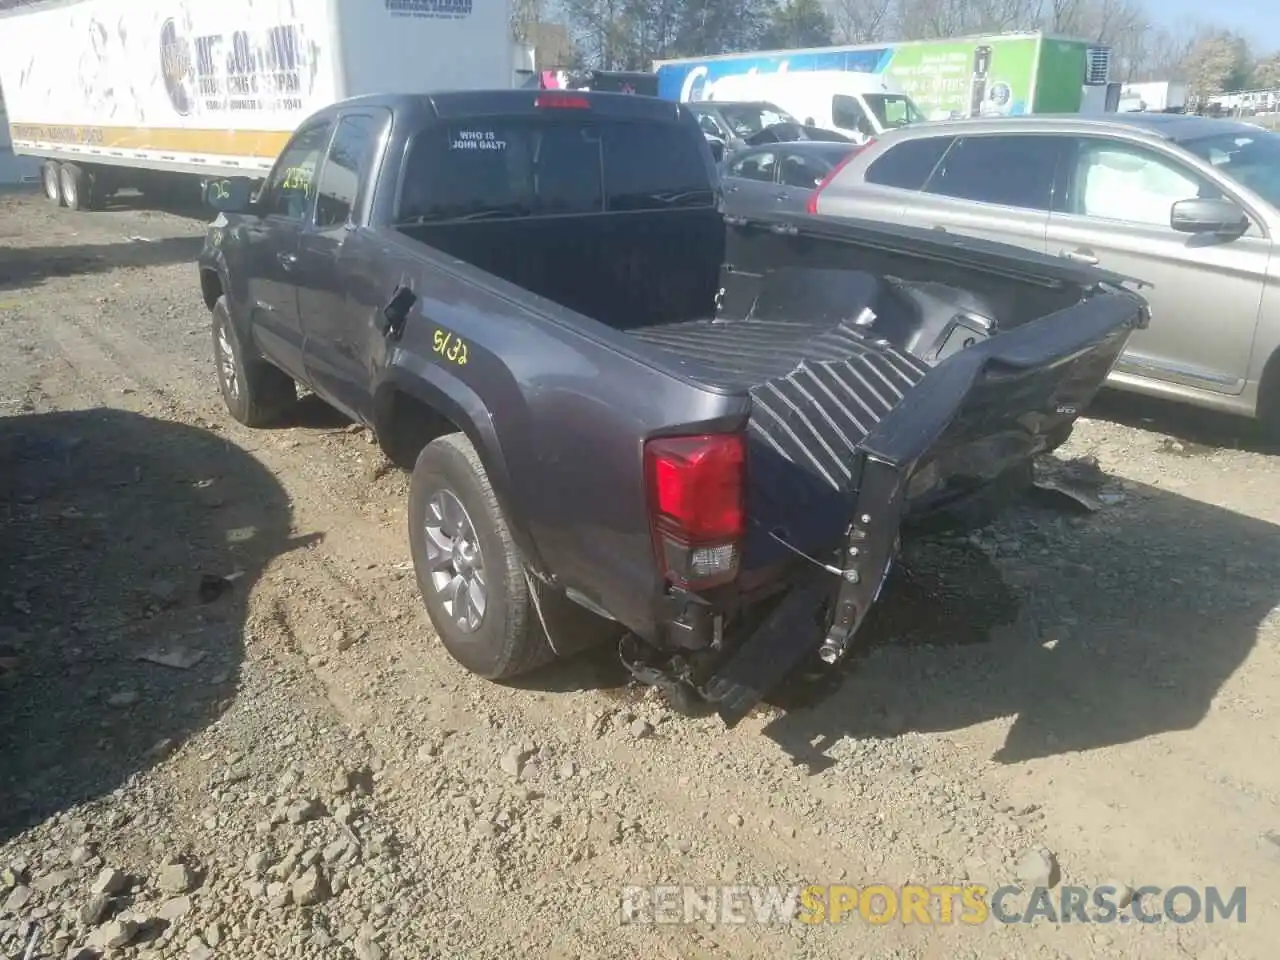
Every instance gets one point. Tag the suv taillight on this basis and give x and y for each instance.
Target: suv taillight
(812, 205)
(697, 506)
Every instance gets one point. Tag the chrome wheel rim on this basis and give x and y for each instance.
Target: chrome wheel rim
(455, 564)
(50, 181)
(227, 363)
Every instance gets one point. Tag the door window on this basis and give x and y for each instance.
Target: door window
(709, 126)
(801, 171)
(907, 166)
(1013, 171)
(755, 166)
(346, 167)
(1126, 182)
(847, 114)
(288, 191)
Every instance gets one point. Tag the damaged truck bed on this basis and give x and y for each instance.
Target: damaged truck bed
(881, 403)
(627, 415)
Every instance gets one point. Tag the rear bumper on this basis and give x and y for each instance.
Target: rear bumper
(975, 420)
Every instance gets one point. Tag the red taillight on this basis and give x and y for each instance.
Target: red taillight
(812, 205)
(697, 490)
(562, 100)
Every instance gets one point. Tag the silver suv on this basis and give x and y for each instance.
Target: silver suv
(1189, 204)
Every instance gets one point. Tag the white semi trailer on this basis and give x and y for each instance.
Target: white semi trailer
(163, 94)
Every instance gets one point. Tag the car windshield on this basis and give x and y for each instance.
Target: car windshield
(893, 109)
(745, 120)
(1251, 159)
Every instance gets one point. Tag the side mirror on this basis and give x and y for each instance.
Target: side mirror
(230, 194)
(1216, 216)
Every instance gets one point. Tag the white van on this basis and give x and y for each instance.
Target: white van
(859, 105)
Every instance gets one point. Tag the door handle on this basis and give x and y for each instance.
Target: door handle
(730, 189)
(287, 260)
(939, 227)
(1079, 255)
(782, 196)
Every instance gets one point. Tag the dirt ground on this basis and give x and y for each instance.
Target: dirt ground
(307, 774)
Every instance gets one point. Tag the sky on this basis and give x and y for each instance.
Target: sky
(1257, 21)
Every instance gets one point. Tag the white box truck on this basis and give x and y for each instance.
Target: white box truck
(1156, 96)
(161, 95)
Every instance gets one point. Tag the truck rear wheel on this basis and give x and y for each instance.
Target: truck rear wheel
(50, 179)
(256, 393)
(75, 185)
(469, 570)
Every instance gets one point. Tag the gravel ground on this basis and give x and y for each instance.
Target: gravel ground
(227, 729)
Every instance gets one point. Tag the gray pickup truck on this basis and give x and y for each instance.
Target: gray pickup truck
(627, 415)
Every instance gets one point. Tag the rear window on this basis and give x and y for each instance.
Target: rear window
(654, 166)
(530, 168)
(908, 165)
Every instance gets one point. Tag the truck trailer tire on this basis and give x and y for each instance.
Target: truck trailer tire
(76, 187)
(50, 180)
(256, 393)
(469, 570)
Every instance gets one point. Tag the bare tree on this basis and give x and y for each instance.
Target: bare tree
(525, 15)
(797, 23)
(931, 19)
(861, 21)
(1161, 53)
(997, 16)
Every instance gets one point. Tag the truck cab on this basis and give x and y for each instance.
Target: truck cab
(859, 105)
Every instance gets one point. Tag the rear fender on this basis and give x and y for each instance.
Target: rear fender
(451, 398)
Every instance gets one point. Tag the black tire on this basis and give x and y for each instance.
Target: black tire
(260, 394)
(1268, 408)
(76, 187)
(50, 181)
(508, 640)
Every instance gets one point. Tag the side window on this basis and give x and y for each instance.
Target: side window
(1126, 182)
(801, 171)
(908, 165)
(1013, 171)
(289, 190)
(847, 114)
(709, 125)
(346, 167)
(755, 166)
(654, 166)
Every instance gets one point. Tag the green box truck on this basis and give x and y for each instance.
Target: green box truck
(989, 75)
